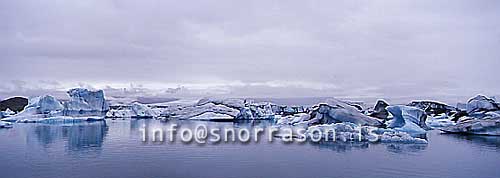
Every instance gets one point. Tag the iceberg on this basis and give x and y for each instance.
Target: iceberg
(230, 102)
(60, 119)
(247, 109)
(212, 116)
(407, 119)
(379, 110)
(5, 124)
(197, 110)
(433, 107)
(468, 125)
(134, 110)
(439, 121)
(295, 119)
(84, 102)
(256, 111)
(7, 113)
(42, 105)
(400, 137)
(142, 111)
(352, 132)
(335, 111)
(221, 108)
(120, 112)
(481, 103)
(39, 107)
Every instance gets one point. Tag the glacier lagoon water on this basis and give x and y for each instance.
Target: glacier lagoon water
(114, 149)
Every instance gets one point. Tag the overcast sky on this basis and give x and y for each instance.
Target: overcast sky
(252, 48)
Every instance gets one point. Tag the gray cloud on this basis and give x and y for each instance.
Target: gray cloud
(347, 48)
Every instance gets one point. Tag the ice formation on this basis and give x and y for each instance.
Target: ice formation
(84, 102)
(439, 121)
(335, 111)
(59, 119)
(143, 111)
(196, 110)
(433, 107)
(481, 103)
(212, 116)
(230, 102)
(5, 124)
(484, 126)
(352, 132)
(39, 107)
(481, 116)
(221, 108)
(407, 119)
(379, 110)
(294, 119)
(7, 113)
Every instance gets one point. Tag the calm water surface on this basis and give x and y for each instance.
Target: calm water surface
(114, 149)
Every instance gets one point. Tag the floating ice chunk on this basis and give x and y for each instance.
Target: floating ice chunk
(245, 114)
(481, 103)
(43, 105)
(334, 112)
(432, 107)
(7, 113)
(193, 111)
(484, 126)
(408, 119)
(293, 119)
(400, 137)
(5, 124)
(120, 113)
(142, 111)
(439, 121)
(212, 116)
(352, 132)
(39, 107)
(230, 102)
(379, 110)
(84, 102)
(59, 119)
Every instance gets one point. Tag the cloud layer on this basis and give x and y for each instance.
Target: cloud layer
(257, 48)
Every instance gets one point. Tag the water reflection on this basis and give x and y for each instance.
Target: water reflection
(405, 148)
(479, 140)
(341, 146)
(87, 136)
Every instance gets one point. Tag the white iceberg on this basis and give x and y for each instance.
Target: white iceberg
(230, 102)
(5, 124)
(84, 102)
(293, 119)
(352, 132)
(481, 103)
(335, 111)
(197, 110)
(59, 119)
(39, 107)
(484, 126)
(439, 121)
(142, 111)
(7, 113)
(212, 116)
(400, 137)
